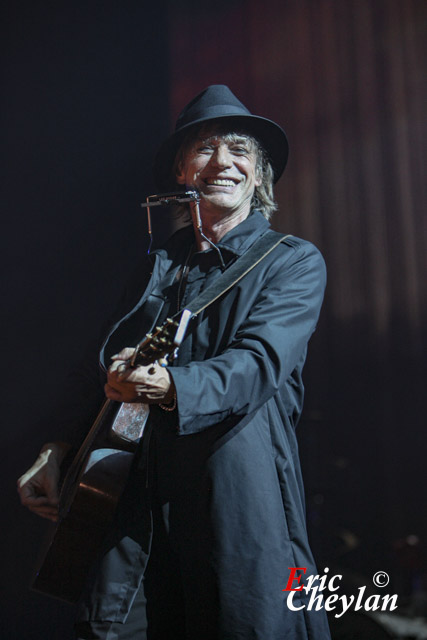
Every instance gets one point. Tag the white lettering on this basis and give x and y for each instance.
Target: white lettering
(310, 581)
(316, 600)
(330, 601)
(359, 604)
(386, 600)
(331, 583)
(346, 605)
(374, 606)
(323, 579)
(290, 603)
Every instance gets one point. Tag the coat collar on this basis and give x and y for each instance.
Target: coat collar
(234, 243)
(241, 237)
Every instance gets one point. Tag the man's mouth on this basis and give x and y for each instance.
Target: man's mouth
(220, 182)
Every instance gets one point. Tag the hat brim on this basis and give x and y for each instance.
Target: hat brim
(270, 135)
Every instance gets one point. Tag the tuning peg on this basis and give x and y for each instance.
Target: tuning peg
(163, 362)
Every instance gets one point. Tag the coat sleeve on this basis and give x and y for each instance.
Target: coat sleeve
(265, 350)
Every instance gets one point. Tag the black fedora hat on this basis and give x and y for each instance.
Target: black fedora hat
(215, 103)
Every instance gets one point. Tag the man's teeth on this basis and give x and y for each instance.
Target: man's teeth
(221, 182)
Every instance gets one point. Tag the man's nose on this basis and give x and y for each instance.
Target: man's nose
(222, 156)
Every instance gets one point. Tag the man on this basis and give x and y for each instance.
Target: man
(213, 514)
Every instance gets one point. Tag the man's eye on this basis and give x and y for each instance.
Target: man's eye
(240, 150)
(204, 148)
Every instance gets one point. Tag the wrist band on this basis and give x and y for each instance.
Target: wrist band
(169, 407)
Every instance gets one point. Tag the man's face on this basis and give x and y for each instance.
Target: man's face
(223, 169)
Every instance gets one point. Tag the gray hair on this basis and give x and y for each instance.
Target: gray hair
(263, 197)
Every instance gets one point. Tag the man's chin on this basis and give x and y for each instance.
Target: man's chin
(221, 201)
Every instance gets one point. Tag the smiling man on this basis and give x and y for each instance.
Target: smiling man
(213, 514)
(225, 171)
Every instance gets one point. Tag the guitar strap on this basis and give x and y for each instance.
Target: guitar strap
(231, 276)
(131, 418)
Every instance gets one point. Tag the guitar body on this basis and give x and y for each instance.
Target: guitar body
(96, 478)
(88, 501)
(74, 541)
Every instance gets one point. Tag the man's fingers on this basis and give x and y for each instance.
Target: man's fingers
(149, 384)
(40, 505)
(112, 393)
(33, 495)
(52, 494)
(22, 481)
(130, 393)
(28, 498)
(124, 354)
(51, 513)
(118, 366)
(38, 487)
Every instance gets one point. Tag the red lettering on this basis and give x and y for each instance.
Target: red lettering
(293, 577)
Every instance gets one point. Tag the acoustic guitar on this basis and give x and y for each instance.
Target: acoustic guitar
(96, 477)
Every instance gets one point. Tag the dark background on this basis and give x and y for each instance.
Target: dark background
(89, 90)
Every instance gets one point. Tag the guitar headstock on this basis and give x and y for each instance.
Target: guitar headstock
(163, 342)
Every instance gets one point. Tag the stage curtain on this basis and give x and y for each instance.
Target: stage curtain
(346, 79)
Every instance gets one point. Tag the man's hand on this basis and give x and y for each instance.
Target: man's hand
(151, 385)
(38, 487)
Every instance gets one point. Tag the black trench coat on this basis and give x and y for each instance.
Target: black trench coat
(225, 465)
